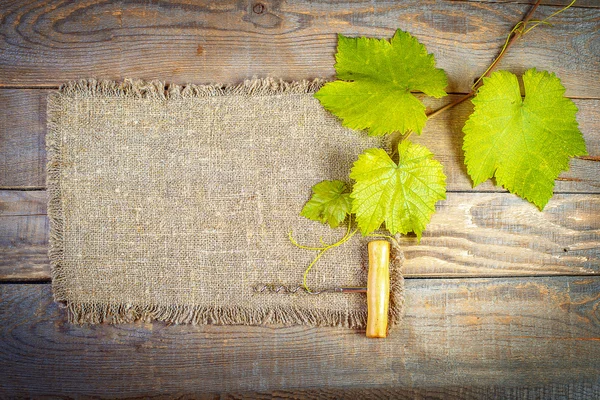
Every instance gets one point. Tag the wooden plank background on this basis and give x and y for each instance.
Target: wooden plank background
(502, 300)
(457, 332)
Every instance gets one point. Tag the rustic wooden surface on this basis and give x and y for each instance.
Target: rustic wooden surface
(24, 157)
(472, 234)
(502, 300)
(457, 332)
(48, 42)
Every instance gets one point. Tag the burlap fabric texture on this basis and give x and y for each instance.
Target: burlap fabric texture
(172, 203)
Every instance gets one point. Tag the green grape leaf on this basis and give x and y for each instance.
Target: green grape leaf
(525, 143)
(402, 195)
(375, 81)
(330, 203)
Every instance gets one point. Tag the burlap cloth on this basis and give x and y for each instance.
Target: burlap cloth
(172, 203)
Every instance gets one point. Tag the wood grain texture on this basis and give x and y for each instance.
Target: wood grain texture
(460, 332)
(528, 337)
(17, 203)
(22, 143)
(568, 391)
(23, 156)
(44, 43)
(585, 390)
(563, 3)
(500, 234)
(24, 233)
(472, 234)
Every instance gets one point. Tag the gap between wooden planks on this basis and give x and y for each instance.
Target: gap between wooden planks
(465, 332)
(472, 234)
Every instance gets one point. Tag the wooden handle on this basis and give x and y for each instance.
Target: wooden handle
(378, 289)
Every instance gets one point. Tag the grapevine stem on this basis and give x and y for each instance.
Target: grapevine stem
(347, 237)
(545, 20)
(322, 250)
(516, 32)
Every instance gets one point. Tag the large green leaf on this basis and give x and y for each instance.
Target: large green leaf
(525, 143)
(375, 81)
(330, 203)
(402, 195)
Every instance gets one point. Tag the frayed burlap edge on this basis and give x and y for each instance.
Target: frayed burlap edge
(94, 313)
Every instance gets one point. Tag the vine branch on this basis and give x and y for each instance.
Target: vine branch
(516, 32)
(322, 250)
(519, 30)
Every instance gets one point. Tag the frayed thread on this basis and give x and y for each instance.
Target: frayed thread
(55, 205)
(95, 313)
(397, 259)
(81, 313)
(132, 88)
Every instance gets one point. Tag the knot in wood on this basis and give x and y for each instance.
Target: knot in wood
(258, 8)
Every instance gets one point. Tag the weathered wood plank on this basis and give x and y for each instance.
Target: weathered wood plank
(563, 3)
(24, 236)
(500, 234)
(571, 391)
(16, 203)
(468, 332)
(24, 248)
(23, 262)
(22, 143)
(23, 156)
(47, 42)
(472, 234)
(568, 391)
